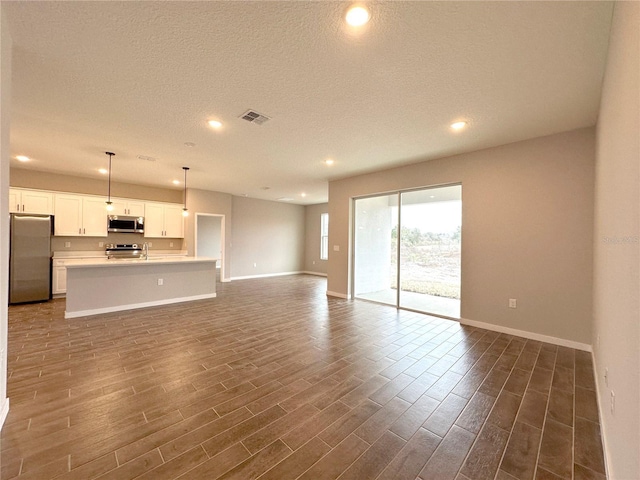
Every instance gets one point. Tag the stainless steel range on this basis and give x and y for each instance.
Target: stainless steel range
(124, 250)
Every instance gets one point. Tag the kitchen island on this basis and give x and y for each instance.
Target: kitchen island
(103, 285)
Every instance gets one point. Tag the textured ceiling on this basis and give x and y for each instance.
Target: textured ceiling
(143, 78)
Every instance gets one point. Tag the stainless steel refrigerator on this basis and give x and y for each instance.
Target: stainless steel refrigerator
(30, 260)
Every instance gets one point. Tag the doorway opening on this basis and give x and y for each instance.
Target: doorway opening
(407, 249)
(209, 239)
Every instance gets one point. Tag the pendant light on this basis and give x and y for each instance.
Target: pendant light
(185, 212)
(109, 202)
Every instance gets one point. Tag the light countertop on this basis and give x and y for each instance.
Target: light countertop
(131, 262)
(64, 254)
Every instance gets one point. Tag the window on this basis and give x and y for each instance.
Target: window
(324, 236)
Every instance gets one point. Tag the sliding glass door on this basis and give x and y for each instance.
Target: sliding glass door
(411, 239)
(375, 259)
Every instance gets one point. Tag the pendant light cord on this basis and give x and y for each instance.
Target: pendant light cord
(185, 188)
(109, 187)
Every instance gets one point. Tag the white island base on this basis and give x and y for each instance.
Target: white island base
(113, 285)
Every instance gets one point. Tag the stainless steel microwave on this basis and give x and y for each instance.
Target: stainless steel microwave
(125, 224)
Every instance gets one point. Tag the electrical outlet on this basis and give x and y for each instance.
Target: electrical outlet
(255, 265)
(150, 244)
(613, 402)
(100, 244)
(171, 244)
(314, 262)
(160, 281)
(336, 248)
(513, 303)
(67, 244)
(606, 377)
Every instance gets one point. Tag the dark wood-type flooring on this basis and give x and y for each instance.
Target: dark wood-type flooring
(273, 380)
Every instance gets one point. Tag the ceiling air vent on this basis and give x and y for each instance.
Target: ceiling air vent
(254, 117)
(146, 158)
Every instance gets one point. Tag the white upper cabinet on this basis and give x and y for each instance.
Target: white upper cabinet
(123, 206)
(86, 215)
(30, 201)
(173, 221)
(163, 220)
(78, 215)
(94, 217)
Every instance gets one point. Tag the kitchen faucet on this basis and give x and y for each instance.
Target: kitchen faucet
(145, 250)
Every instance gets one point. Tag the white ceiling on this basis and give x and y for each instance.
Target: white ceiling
(143, 78)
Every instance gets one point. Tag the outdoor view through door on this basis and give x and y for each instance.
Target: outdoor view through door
(411, 239)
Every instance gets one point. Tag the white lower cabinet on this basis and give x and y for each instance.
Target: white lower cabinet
(59, 280)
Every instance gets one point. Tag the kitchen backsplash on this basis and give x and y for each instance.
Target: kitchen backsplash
(93, 243)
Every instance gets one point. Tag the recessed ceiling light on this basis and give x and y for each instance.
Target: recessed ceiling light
(458, 125)
(22, 158)
(103, 171)
(284, 199)
(303, 194)
(176, 182)
(215, 124)
(357, 16)
(189, 144)
(329, 161)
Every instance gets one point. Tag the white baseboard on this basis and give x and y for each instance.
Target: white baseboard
(530, 335)
(336, 294)
(603, 435)
(319, 274)
(133, 306)
(4, 411)
(266, 275)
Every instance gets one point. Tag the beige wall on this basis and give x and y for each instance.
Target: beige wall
(89, 244)
(616, 335)
(67, 183)
(269, 234)
(527, 230)
(203, 201)
(5, 124)
(312, 262)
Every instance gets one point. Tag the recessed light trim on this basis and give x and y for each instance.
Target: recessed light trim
(103, 171)
(329, 161)
(176, 182)
(357, 16)
(215, 124)
(458, 125)
(303, 194)
(189, 144)
(22, 158)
